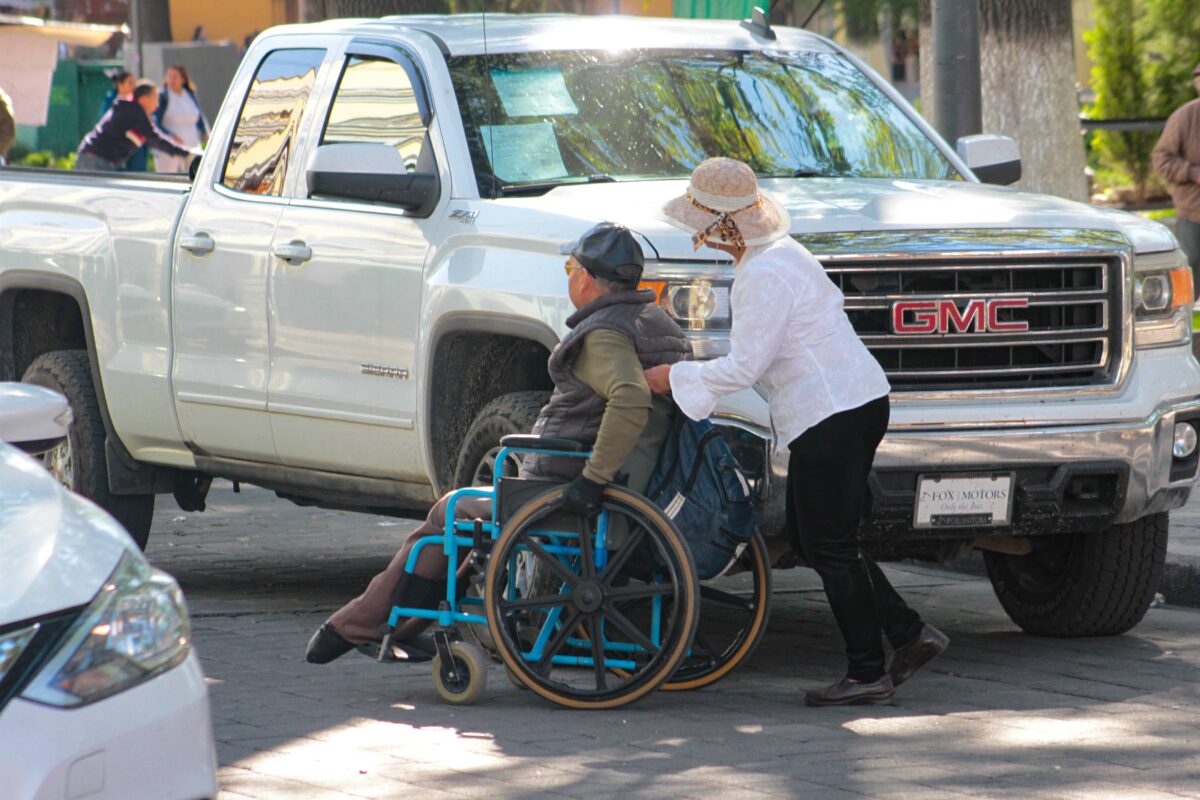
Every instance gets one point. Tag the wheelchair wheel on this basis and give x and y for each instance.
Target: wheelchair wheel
(586, 651)
(733, 617)
(462, 682)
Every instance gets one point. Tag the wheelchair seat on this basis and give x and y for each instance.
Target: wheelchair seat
(520, 441)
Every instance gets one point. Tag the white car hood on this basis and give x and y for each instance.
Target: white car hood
(56, 549)
(32, 413)
(831, 205)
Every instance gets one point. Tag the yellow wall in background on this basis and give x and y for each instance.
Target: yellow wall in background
(225, 19)
(644, 8)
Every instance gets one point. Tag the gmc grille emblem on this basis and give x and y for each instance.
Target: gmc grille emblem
(945, 316)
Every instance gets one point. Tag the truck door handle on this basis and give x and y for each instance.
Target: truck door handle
(197, 245)
(293, 252)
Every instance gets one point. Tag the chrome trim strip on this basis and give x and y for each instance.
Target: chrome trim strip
(404, 423)
(872, 302)
(221, 401)
(225, 191)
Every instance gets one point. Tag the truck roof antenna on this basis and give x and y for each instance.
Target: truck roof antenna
(759, 24)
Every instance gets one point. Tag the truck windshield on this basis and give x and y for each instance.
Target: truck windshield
(536, 120)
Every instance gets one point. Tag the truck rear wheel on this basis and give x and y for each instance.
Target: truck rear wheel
(80, 463)
(508, 413)
(1086, 584)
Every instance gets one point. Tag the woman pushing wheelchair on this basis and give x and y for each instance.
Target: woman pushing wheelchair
(829, 405)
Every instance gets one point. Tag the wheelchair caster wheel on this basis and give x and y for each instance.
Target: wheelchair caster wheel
(463, 681)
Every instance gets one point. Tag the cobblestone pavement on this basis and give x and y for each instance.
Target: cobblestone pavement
(1001, 714)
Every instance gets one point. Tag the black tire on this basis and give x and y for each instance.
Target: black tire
(508, 413)
(733, 618)
(80, 463)
(1087, 584)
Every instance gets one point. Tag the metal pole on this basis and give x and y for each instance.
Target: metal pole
(135, 22)
(957, 97)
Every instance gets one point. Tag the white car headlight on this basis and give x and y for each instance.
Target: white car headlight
(135, 628)
(1162, 300)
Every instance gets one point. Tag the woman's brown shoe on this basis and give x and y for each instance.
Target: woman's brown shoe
(928, 645)
(848, 693)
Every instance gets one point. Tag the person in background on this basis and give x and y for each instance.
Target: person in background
(8, 126)
(829, 403)
(127, 126)
(200, 34)
(1177, 161)
(123, 84)
(179, 114)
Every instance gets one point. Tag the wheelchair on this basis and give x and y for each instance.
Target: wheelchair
(589, 613)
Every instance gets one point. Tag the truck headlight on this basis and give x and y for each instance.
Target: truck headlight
(697, 305)
(1162, 300)
(135, 628)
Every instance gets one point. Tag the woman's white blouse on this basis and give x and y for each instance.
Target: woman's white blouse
(791, 336)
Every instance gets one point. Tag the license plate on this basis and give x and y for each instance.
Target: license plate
(963, 501)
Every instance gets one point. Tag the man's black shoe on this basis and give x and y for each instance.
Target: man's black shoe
(847, 693)
(326, 645)
(928, 645)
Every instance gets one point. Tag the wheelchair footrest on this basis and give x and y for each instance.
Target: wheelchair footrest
(414, 651)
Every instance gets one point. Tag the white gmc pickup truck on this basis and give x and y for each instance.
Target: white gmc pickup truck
(355, 294)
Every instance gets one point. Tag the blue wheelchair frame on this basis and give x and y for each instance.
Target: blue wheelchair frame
(466, 533)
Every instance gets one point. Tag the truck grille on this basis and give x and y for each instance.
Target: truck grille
(1073, 317)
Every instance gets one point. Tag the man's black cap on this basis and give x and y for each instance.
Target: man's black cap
(608, 251)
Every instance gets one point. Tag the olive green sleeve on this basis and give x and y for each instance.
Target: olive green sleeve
(609, 364)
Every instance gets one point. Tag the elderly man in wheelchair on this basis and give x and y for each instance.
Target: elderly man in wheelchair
(602, 404)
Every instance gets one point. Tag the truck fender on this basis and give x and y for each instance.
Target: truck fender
(126, 474)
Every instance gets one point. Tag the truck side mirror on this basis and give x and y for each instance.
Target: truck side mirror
(993, 159)
(373, 173)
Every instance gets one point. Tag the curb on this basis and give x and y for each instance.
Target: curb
(1180, 584)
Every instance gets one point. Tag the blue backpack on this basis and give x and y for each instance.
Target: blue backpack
(698, 483)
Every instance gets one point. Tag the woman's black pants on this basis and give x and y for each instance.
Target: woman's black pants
(827, 485)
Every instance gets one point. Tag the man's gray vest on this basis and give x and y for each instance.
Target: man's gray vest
(574, 410)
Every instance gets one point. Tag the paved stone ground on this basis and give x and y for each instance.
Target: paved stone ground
(1000, 715)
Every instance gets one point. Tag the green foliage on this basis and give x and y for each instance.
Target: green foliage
(862, 16)
(1144, 51)
(46, 159)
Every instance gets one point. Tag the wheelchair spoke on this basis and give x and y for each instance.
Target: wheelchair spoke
(560, 638)
(640, 592)
(725, 598)
(705, 643)
(555, 565)
(593, 631)
(587, 548)
(617, 563)
(543, 601)
(629, 629)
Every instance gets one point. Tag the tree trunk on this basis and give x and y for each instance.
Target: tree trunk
(155, 20)
(1028, 67)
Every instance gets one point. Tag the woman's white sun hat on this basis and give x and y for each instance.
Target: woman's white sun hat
(723, 202)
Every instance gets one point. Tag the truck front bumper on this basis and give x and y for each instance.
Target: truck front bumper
(1067, 478)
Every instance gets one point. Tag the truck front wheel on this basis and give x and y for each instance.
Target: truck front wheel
(80, 463)
(1086, 584)
(508, 413)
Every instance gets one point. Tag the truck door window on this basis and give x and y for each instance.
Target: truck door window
(270, 120)
(375, 102)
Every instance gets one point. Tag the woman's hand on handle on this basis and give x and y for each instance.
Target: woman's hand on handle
(659, 379)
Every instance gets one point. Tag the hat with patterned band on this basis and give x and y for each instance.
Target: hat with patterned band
(723, 203)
